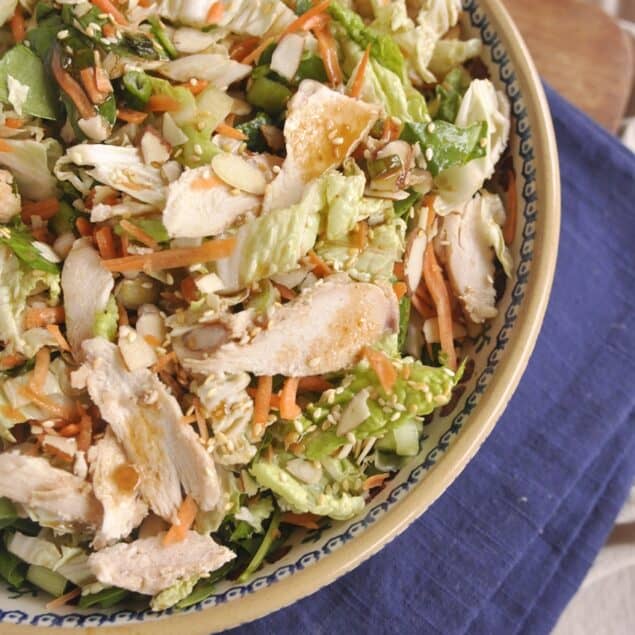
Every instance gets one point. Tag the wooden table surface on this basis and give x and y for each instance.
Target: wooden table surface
(581, 52)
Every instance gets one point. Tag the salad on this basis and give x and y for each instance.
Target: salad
(244, 245)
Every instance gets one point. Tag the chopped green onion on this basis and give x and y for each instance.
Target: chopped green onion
(403, 207)
(311, 67)
(64, 221)
(252, 129)
(158, 30)
(404, 320)
(269, 95)
(8, 513)
(138, 88)
(385, 166)
(205, 587)
(46, 579)
(302, 6)
(12, 569)
(264, 548)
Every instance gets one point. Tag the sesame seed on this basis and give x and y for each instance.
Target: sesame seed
(197, 149)
(431, 127)
(338, 141)
(429, 154)
(276, 169)
(483, 142)
(62, 35)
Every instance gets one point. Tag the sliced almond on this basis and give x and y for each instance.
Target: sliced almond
(236, 172)
(155, 150)
(413, 259)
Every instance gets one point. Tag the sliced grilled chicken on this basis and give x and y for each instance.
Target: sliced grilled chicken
(87, 286)
(466, 250)
(322, 330)
(147, 566)
(115, 483)
(9, 199)
(199, 204)
(322, 128)
(146, 419)
(53, 493)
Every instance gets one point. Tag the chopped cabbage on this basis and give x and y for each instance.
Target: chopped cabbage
(173, 594)
(450, 53)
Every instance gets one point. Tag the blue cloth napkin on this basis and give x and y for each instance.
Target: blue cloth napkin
(508, 544)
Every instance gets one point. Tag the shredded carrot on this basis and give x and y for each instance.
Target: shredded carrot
(358, 80)
(262, 400)
(289, 409)
(275, 397)
(11, 361)
(360, 235)
(108, 7)
(255, 54)
(285, 292)
(308, 521)
(69, 430)
(433, 278)
(45, 209)
(196, 86)
(139, 234)
(173, 258)
(40, 370)
(54, 330)
(152, 340)
(163, 362)
(85, 435)
(202, 183)
(376, 480)
(328, 53)
(383, 367)
(391, 131)
(70, 86)
(163, 103)
(423, 308)
(84, 226)
(46, 403)
(41, 316)
(229, 131)
(241, 49)
(89, 81)
(314, 383)
(13, 122)
(5, 147)
(106, 242)
(186, 515)
(146, 3)
(131, 116)
(400, 289)
(201, 424)
(109, 30)
(125, 241)
(301, 21)
(189, 290)
(319, 267)
(509, 228)
(215, 13)
(63, 599)
(18, 28)
(398, 270)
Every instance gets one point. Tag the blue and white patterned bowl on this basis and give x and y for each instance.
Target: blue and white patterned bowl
(500, 357)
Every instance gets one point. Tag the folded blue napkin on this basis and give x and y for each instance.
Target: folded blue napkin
(507, 545)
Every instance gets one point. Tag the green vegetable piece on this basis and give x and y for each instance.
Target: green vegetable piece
(404, 319)
(158, 30)
(154, 227)
(138, 44)
(267, 54)
(403, 207)
(105, 322)
(20, 241)
(268, 95)
(108, 110)
(137, 89)
(382, 47)
(64, 221)
(46, 579)
(264, 548)
(105, 598)
(386, 166)
(12, 569)
(44, 35)
(24, 66)
(8, 513)
(205, 587)
(311, 67)
(445, 145)
(252, 129)
(302, 6)
(449, 94)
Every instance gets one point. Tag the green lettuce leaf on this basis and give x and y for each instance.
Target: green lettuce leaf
(23, 65)
(449, 94)
(448, 54)
(448, 145)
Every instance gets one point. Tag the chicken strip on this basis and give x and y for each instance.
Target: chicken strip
(321, 331)
(87, 286)
(58, 495)
(146, 419)
(147, 566)
(115, 483)
(322, 128)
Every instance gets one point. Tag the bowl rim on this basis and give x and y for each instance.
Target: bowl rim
(480, 423)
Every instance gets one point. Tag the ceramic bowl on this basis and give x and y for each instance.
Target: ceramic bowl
(453, 436)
